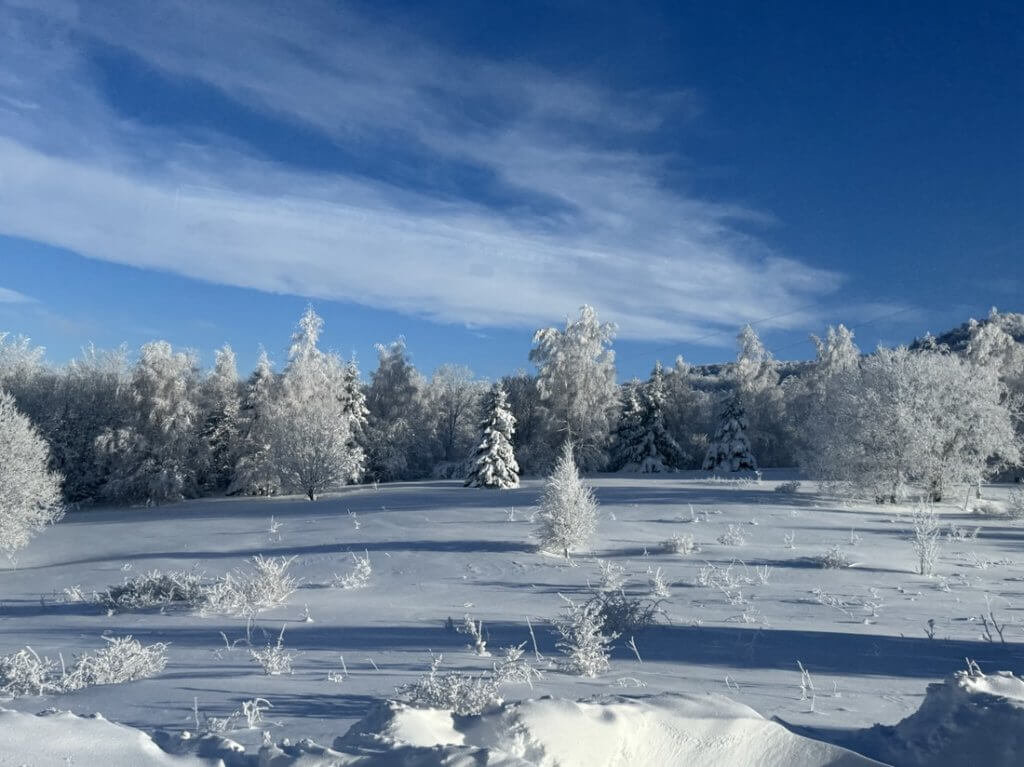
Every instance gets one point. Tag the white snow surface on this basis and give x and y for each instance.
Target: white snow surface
(439, 550)
(709, 730)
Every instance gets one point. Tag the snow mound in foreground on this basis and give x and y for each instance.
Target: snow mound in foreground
(58, 739)
(969, 719)
(661, 730)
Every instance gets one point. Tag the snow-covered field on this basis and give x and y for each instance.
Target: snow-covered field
(439, 550)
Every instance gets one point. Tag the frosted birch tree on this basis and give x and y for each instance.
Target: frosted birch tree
(30, 496)
(576, 380)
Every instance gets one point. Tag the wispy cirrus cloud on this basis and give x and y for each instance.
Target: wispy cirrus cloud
(8, 296)
(333, 158)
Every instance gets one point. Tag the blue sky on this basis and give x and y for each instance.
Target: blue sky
(464, 174)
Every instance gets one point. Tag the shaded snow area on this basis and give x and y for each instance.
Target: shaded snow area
(659, 730)
(805, 611)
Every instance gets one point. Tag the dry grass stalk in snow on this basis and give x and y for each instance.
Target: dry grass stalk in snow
(274, 659)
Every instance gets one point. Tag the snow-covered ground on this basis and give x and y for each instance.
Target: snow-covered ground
(439, 550)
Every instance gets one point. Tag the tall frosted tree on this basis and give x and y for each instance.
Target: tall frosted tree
(398, 435)
(494, 463)
(761, 397)
(690, 415)
(567, 513)
(155, 457)
(255, 471)
(313, 447)
(730, 448)
(453, 398)
(222, 406)
(628, 438)
(30, 496)
(576, 380)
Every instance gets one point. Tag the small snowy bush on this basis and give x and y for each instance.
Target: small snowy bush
(274, 659)
(360, 574)
(474, 629)
(733, 536)
(583, 640)
(514, 668)
(461, 693)
(623, 614)
(246, 593)
(679, 544)
(927, 539)
(613, 575)
(834, 559)
(1015, 503)
(788, 488)
(123, 660)
(26, 673)
(567, 517)
(658, 585)
(154, 589)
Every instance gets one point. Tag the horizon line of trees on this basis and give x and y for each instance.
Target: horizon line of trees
(158, 429)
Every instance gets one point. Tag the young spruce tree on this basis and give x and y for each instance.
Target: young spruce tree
(494, 463)
(730, 448)
(567, 518)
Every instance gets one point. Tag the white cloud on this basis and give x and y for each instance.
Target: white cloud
(665, 264)
(8, 296)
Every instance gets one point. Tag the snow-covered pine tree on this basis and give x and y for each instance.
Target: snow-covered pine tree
(222, 405)
(30, 495)
(628, 438)
(255, 473)
(312, 435)
(494, 463)
(660, 452)
(567, 517)
(730, 448)
(352, 396)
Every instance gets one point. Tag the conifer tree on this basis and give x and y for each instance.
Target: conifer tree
(627, 440)
(730, 448)
(255, 473)
(567, 518)
(642, 442)
(221, 427)
(494, 463)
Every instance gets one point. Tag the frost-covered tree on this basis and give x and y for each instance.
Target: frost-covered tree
(730, 448)
(761, 397)
(30, 496)
(255, 471)
(532, 447)
(399, 431)
(567, 514)
(576, 380)
(156, 456)
(642, 442)
(494, 463)
(453, 398)
(312, 440)
(689, 413)
(222, 408)
(913, 419)
(628, 437)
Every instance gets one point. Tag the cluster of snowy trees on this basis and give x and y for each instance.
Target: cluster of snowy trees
(944, 412)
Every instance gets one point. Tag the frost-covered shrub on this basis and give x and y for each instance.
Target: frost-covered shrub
(733, 536)
(624, 614)
(154, 589)
(788, 488)
(274, 659)
(461, 693)
(30, 497)
(567, 517)
(123, 660)
(514, 668)
(833, 559)
(359, 576)
(246, 593)
(27, 673)
(475, 630)
(986, 508)
(679, 544)
(613, 575)
(658, 585)
(1015, 503)
(583, 640)
(927, 539)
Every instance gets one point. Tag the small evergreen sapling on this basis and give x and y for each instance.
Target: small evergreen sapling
(494, 463)
(567, 518)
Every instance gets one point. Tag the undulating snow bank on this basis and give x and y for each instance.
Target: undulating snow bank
(60, 739)
(968, 720)
(658, 730)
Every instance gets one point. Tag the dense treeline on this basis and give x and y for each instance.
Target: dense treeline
(155, 428)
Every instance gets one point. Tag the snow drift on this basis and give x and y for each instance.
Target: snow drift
(660, 730)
